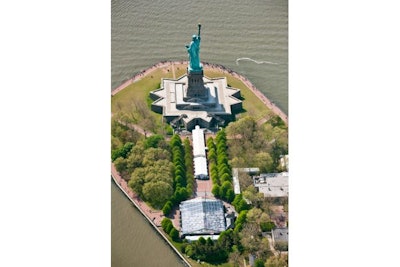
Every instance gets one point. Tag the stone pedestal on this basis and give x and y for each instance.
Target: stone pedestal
(196, 88)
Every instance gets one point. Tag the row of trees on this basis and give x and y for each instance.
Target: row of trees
(190, 181)
(220, 170)
(169, 228)
(183, 178)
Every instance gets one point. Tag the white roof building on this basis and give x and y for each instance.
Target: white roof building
(199, 154)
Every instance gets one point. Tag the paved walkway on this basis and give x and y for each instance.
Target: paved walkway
(173, 70)
(203, 188)
(138, 129)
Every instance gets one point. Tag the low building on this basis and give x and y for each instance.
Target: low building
(280, 238)
(216, 108)
(199, 154)
(235, 177)
(272, 184)
(202, 217)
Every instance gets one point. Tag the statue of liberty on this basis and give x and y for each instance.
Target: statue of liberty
(194, 53)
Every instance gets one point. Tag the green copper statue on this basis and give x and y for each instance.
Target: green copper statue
(194, 53)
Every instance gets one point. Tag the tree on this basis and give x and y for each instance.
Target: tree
(189, 250)
(264, 161)
(227, 239)
(174, 234)
(281, 246)
(152, 155)
(137, 181)
(234, 258)
(250, 237)
(240, 204)
(166, 225)
(153, 141)
(259, 263)
(122, 132)
(202, 240)
(225, 177)
(224, 189)
(251, 194)
(167, 208)
(122, 151)
(215, 190)
(277, 261)
(180, 194)
(241, 219)
(209, 242)
(245, 179)
(267, 226)
(157, 193)
(165, 221)
(135, 158)
(254, 215)
(120, 164)
(175, 141)
(230, 195)
(115, 143)
(264, 250)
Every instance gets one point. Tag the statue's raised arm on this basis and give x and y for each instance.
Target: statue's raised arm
(194, 52)
(199, 25)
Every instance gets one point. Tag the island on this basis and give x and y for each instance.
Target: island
(203, 155)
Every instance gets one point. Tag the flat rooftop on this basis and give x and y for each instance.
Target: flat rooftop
(199, 153)
(280, 234)
(219, 99)
(273, 184)
(202, 216)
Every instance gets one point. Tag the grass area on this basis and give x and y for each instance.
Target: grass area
(252, 106)
(139, 91)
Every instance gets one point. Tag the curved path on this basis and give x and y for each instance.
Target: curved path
(271, 105)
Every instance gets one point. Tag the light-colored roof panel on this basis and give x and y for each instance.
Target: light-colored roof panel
(200, 166)
(202, 216)
(273, 184)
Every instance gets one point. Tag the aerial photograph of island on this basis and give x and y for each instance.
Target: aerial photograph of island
(199, 133)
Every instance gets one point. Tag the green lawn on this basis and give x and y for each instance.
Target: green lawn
(139, 91)
(251, 104)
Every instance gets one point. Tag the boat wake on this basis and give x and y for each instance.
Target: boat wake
(255, 61)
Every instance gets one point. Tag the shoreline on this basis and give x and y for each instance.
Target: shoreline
(145, 211)
(162, 64)
(154, 217)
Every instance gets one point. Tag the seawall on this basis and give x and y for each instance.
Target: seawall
(143, 209)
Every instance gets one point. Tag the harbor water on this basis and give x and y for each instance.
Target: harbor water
(250, 38)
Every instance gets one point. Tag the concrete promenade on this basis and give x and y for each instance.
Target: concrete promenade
(276, 110)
